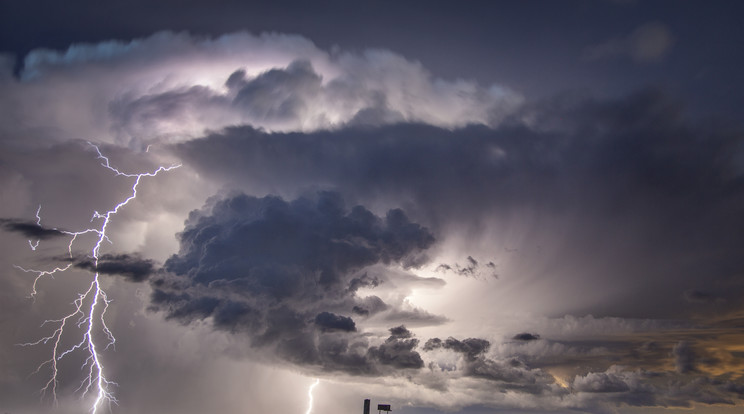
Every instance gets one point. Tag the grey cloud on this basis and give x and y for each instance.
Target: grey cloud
(377, 113)
(617, 386)
(400, 332)
(733, 388)
(510, 373)
(601, 382)
(510, 376)
(364, 281)
(269, 238)
(369, 305)
(328, 321)
(636, 183)
(633, 166)
(398, 350)
(278, 94)
(336, 353)
(471, 348)
(147, 115)
(29, 229)
(414, 317)
(433, 343)
(131, 266)
(285, 273)
(526, 336)
(514, 369)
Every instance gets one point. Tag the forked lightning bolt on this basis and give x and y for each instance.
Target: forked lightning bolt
(89, 308)
(310, 396)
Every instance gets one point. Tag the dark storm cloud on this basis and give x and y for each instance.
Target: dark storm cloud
(508, 373)
(398, 350)
(328, 321)
(526, 336)
(369, 305)
(268, 237)
(470, 347)
(29, 229)
(286, 274)
(632, 166)
(400, 332)
(363, 281)
(648, 203)
(640, 143)
(130, 266)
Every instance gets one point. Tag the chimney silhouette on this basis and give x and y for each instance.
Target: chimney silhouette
(366, 406)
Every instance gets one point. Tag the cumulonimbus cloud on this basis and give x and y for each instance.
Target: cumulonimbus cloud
(619, 187)
(287, 275)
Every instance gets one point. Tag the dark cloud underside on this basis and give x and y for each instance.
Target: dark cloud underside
(286, 274)
(585, 247)
(632, 168)
(130, 266)
(29, 229)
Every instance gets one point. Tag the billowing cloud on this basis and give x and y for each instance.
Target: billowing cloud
(287, 274)
(353, 192)
(398, 350)
(597, 169)
(470, 347)
(172, 86)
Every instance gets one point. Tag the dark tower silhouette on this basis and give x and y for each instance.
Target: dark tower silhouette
(366, 406)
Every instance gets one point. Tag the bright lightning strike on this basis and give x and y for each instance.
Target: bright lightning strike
(38, 223)
(310, 396)
(89, 308)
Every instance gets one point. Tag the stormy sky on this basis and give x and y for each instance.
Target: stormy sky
(479, 207)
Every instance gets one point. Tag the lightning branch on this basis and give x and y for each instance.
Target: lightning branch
(89, 307)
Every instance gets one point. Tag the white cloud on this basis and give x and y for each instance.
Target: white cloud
(172, 86)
